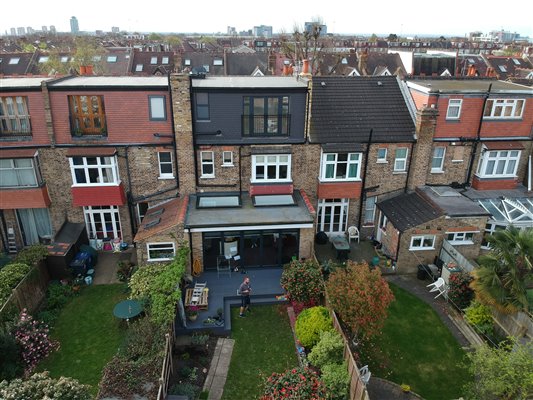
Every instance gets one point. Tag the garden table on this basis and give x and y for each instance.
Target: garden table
(342, 246)
(127, 309)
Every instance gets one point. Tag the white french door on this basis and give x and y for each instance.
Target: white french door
(102, 222)
(332, 215)
(382, 226)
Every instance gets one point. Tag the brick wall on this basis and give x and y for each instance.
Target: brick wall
(307, 242)
(226, 177)
(456, 162)
(425, 129)
(468, 122)
(197, 247)
(174, 235)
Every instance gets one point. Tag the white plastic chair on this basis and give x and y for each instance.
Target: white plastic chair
(364, 374)
(438, 286)
(353, 233)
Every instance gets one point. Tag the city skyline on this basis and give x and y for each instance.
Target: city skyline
(454, 19)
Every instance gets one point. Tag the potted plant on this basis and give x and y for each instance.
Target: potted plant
(192, 312)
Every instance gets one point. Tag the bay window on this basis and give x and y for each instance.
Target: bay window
(340, 166)
(498, 164)
(94, 171)
(504, 108)
(18, 172)
(271, 168)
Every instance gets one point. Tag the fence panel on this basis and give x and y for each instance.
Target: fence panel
(167, 368)
(518, 325)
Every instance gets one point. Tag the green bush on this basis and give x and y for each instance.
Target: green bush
(480, 316)
(328, 350)
(144, 339)
(460, 293)
(302, 281)
(185, 389)
(10, 276)
(11, 357)
(58, 295)
(32, 255)
(310, 323)
(336, 380)
(48, 317)
(41, 386)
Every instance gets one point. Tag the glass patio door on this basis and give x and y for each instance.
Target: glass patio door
(102, 222)
(332, 215)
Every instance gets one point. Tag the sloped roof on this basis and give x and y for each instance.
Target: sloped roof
(345, 109)
(409, 210)
(464, 61)
(246, 63)
(146, 58)
(336, 64)
(392, 61)
(162, 217)
(505, 66)
(9, 65)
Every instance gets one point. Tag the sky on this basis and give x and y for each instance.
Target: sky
(446, 18)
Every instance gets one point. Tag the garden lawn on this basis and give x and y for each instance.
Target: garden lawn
(263, 344)
(417, 349)
(88, 333)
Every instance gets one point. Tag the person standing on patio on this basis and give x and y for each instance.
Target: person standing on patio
(244, 291)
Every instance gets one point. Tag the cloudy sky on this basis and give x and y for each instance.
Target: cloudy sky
(439, 17)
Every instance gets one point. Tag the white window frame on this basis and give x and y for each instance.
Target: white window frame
(497, 108)
(139, 68)
(423, 242)
(332, 159)
(436, 157)
(14, 117)
(12, 168)
(227, 161)
(490, 160)
(218, 61)
(325, 209)
(204, 162)
(153, 60)
(370, 209)
(460, 238)
(165, 175)
(158, 108)
(382, 158)
(454, 109)
(271, 160)
(164, 60)
(100, 165)
(153, 247)
(90, 211)
(187, 61)
(399, 160)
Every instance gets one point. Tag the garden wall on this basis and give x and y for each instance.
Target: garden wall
(357, 387)
(29, 293)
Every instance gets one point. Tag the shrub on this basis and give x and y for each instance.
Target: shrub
(58, 295)
(125, 268)
(144, 339)
(328, 350)
(10, 276)
(460, 293)
(32, 255)
(32, 336)
(361, 298)
(185, 389)
(310, 323)
(302, 281)
(42, 386)
(297, 383)
(11, 358)
(336, 380)
(198, 339)
(48, 317)
(480, 316)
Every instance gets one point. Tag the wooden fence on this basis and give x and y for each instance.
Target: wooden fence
(167, 368)
(518, 325)
(29, 293)
(357, 387)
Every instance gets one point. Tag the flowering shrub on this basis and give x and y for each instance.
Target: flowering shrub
(302, 281)
(360, 297)
(336, 380)
(328, 350)
(297, 383)
(33, 338)
(460, 293)
(311, 323)
(41, 386)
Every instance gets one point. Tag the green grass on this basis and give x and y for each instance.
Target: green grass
(89, 335)
(263, 344)
(416, 348)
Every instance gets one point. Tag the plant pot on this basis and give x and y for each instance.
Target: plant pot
(192, 317)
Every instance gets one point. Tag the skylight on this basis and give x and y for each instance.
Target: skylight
(516, 61)
(43, 59)
(14, 60)
(111, 59)
(218, 201)
(502, 68)
(274, 200)
(152, 223)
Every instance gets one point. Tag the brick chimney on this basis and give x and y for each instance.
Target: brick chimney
(426, 121)
(362, 62)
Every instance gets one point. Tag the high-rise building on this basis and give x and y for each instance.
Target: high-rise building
(44, 29)
(74, 26)
(30, 30)
(13, 32)
(263, 31)
(115, 29)
(21, 31)
(311, 26)
(52, 29)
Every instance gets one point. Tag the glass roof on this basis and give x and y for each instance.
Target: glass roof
(218, 201)
(510, 211)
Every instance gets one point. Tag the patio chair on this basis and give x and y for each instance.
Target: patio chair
(223, 265)
(365, 374)
(353, 233)
(438, 286)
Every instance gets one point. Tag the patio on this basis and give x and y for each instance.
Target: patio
(223, 294)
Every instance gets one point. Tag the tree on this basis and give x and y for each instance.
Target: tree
(302, 281)
(360, 297)
(392, 37)
(373, 38)
(504, 373)
(501, 279)
(155, 36)
(88, 52)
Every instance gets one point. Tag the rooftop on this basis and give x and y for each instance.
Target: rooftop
(467, 85)
(14, 83)
(110, 81)
(452, 202)
(250, 82)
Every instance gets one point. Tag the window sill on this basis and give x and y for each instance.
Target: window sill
(207, 176)
(165, 177)
(437, 171)
(227, 165)
(82, 185)
(382, 162)
(267, 182)
(339, 180)
(399, 172)
(465, 243)
(421, 249)
(457, 161)
(453, 120)
(158, 259)
(496, 177)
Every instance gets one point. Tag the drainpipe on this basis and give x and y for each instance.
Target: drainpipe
(477, 140)
(529, 176)
(3, 231)
(129, 194)
(409, 168)
(363, 192)
(193, 118)
(174, 145)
